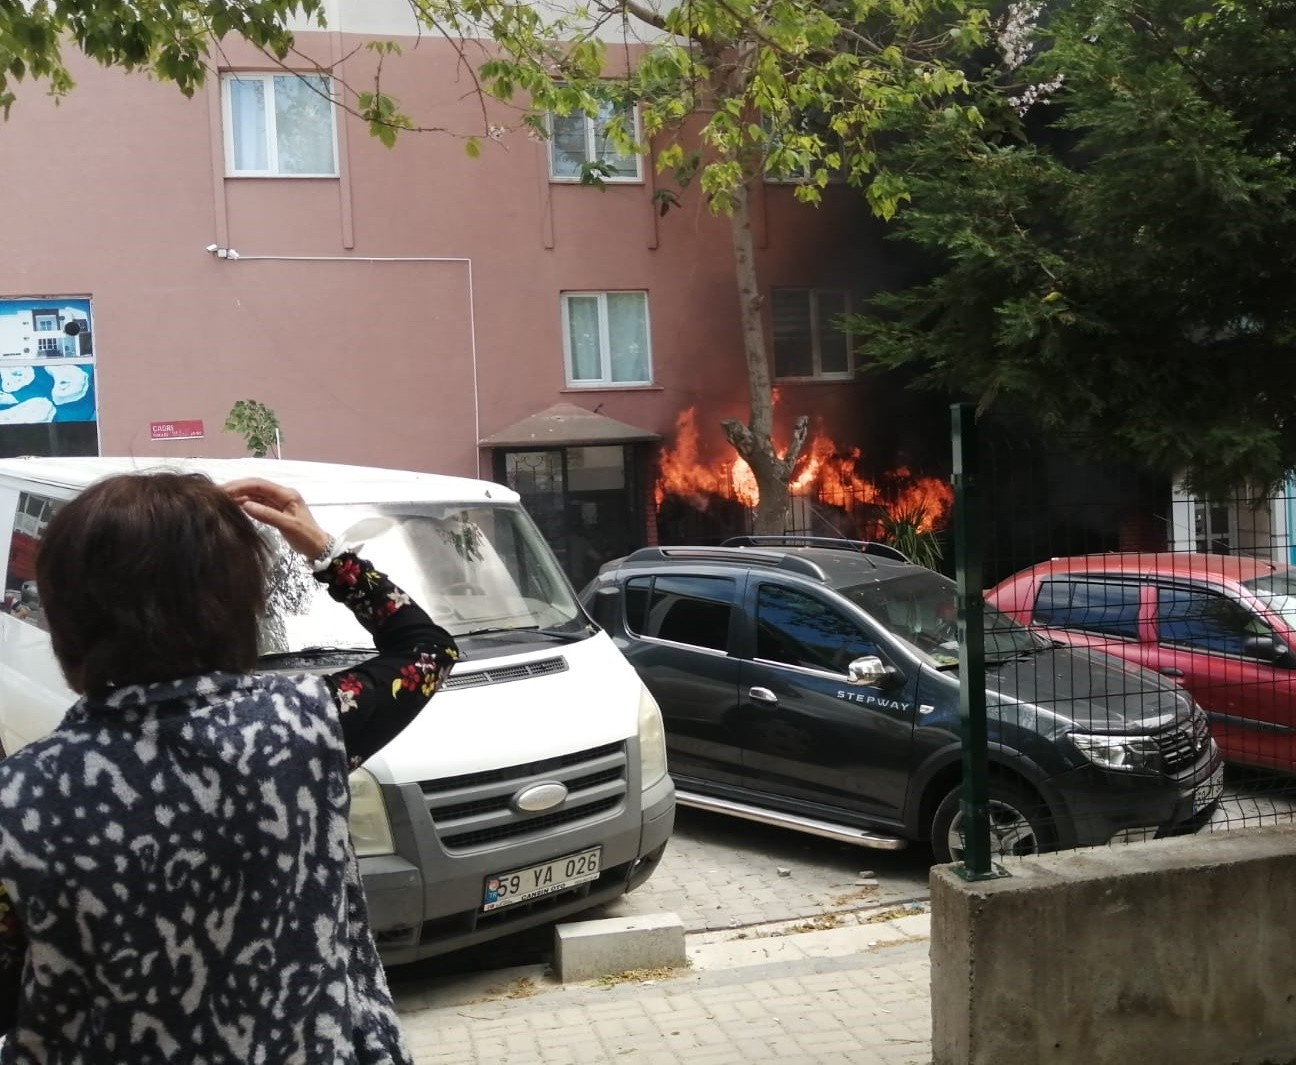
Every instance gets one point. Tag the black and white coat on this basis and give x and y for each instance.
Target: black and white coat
(177, 855)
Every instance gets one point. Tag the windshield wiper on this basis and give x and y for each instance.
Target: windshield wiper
(557, 634)
(1017, 654)
(313, 653)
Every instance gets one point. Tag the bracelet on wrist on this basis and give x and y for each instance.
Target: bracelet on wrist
(324, 559)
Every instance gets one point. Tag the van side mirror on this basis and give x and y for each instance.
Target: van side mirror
(870, 672)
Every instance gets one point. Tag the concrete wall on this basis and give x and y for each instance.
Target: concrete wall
(1179, 950)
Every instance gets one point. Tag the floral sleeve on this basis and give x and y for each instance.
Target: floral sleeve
(379, 697)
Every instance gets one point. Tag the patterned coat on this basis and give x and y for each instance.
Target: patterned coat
(179, 859)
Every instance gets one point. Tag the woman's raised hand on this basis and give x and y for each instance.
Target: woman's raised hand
(284, 509)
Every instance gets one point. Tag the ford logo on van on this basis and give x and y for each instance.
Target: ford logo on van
(540, 797)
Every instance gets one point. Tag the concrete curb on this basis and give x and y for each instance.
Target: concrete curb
(775, 943)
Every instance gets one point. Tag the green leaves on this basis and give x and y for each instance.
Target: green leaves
(172, 39)
(791, 89)
(1116, 255)
(258, 425)
(383, 116)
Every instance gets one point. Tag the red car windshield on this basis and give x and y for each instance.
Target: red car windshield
(1277, 591)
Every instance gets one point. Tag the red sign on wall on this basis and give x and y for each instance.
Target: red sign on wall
(188, 430)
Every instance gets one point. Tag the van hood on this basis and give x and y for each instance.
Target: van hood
(512, 709)
(1097, 692)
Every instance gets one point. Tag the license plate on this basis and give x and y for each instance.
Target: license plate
(1205, 794)
(522, 885)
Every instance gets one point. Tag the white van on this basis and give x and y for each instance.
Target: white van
(532, 787)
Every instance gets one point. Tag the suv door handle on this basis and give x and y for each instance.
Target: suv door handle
(762, 695)
(1171, 671)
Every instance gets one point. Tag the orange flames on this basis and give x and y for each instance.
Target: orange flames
(824, 473)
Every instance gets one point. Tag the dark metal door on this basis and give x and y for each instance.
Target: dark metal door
(586, 501)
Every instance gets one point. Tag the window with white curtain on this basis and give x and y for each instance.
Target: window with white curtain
(576, 140)
(808, 338)
(279, 125)
(605, 338)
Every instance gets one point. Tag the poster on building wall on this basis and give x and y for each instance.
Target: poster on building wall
(46, 360)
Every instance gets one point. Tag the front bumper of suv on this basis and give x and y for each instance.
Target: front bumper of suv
(1106, 805)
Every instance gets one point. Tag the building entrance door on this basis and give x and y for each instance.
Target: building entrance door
(587, 501)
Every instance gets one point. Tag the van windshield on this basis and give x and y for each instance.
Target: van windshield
(475, 568)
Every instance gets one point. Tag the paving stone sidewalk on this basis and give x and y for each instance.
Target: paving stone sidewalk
(857, 993)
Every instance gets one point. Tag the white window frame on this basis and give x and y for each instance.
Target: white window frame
(802, 176)
(590, 132)
(272, 138)
(605, 347)
(816, 348)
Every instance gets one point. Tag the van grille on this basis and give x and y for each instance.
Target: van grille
(474, 810)
(1182, 745)
(502, 675)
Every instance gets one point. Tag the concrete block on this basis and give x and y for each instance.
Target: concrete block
(586, 950)
(1175, 950)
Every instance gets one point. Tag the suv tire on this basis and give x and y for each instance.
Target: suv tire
(1019, 824)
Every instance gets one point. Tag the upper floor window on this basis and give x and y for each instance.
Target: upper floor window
(807, 339)
(605, 338)
(279, 125)
(789, 160)
(578, 142)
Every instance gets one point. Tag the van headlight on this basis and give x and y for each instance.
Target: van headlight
(370, 829)
(1118, 752)
(652, 740)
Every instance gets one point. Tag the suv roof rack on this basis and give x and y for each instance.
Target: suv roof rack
(868, 547)
(730, 553)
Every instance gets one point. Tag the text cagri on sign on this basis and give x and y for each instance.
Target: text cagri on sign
(186, 430)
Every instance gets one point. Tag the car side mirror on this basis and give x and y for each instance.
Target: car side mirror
(1268, 649)
(870, 672)
(604, 604)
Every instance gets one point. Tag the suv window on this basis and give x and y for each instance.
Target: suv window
(1107, 607)
(800, 630)
(1205, 620)
(683, 609)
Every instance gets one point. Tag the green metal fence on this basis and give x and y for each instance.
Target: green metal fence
(1133, 673)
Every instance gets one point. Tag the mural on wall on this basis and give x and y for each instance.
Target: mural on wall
(46, 360)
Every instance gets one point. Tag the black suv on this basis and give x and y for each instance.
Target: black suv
(816, 687)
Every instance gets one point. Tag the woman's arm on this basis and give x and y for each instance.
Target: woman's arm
(379, 697)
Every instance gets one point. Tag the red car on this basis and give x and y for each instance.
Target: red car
(1223, 626)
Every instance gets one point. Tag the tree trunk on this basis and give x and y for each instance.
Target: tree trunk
(754, 441)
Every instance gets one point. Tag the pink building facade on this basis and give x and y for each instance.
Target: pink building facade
(403, 307)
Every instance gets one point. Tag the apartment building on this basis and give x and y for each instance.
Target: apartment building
(412, 306)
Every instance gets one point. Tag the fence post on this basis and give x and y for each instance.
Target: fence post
(968, 534)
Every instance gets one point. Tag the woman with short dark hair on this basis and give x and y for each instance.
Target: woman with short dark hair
(126, 606)
(177, 851)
